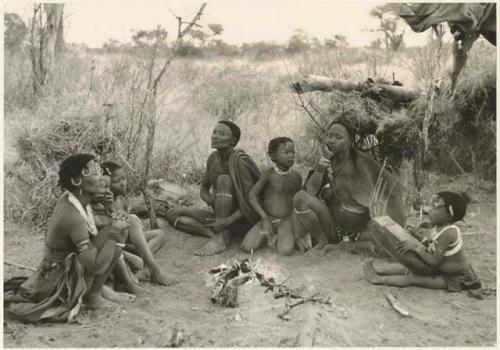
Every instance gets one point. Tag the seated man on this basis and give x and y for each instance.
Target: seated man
(230, 176)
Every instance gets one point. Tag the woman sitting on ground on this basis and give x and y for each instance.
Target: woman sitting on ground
(334, 205)
(230, 176)
(77, 261)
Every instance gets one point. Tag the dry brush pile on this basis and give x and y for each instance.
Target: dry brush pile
(98, 102)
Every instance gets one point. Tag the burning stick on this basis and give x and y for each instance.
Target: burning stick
(230, 276)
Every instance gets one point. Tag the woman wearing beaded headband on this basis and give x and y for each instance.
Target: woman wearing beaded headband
(76, 260)
(334, 205)
(229, 177)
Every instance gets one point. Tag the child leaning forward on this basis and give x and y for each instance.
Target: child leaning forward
(440, 247)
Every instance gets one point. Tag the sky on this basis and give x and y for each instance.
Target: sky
(93, 23)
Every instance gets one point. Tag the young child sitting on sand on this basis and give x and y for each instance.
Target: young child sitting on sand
(276, 188)
(123, 272)
(144, 243)
(440, 247)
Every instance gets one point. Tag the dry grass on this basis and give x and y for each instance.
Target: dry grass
(72, 116)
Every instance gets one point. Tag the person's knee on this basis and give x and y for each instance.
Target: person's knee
(285, 250)
(134, 219)
(249, 242)
(286, 243)
(300, 200)
(158, 234)
(224, 184)
(244, 246)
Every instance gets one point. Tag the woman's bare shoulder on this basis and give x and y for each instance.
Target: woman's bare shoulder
(66, 216)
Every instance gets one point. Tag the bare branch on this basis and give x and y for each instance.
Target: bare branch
(196, 18)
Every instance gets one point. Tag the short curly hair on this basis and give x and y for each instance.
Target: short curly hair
(275, 143)
(72, 167)
(458, 201)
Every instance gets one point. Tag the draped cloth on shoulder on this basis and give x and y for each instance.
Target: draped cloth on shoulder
(53, 293)
(244, 174)
(464, 17)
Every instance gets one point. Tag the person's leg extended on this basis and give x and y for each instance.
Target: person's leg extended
(315, 217)
(190, 220)
(139, 241)
(130, 283)
(431, 282)
(93, 298)
(390, 269)
(155, 239)
(223, 205)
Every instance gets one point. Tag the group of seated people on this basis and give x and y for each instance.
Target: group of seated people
(95, 248)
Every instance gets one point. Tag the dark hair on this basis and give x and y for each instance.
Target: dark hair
(109, 167)
(235, 130)
(72, 167)
(458, 202)
(349, 129)
(275, 143)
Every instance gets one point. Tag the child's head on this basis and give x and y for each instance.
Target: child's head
(448, 207)
(281, 150)
(118, 180)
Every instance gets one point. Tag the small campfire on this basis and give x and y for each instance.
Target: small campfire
(226, 278)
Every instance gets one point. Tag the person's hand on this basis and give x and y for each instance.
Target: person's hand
(108, 198)
(120, 224)
(407, 245)
(121, 221)
(267, 230)
(326, 152)
(217, 224)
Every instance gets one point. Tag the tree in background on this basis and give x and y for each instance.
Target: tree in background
(338, 41)
(15, 31)
(390, 25)
(46, 41)
(375, 44)
(298, 42)
(216, 29)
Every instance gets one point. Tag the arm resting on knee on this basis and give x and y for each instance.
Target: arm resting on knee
(314, 182)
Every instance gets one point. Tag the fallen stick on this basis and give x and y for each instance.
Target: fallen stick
(321, 83)
(472, 233)
(312, 299)
(19, 266)
(396, 305)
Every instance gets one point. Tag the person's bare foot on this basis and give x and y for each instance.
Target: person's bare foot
(370, 274)
(136, 289)
(304, 243)
(96, 301)
(160, 277)
(318, 248)
(142, 275)
(213, 247)
(119, 297)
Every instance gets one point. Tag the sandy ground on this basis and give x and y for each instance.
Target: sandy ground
(359, 315)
